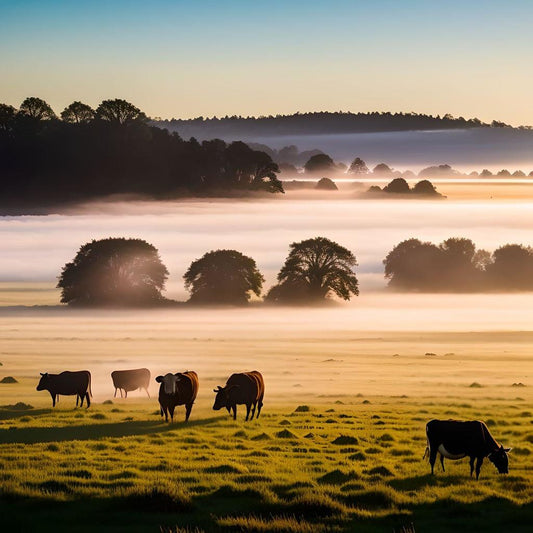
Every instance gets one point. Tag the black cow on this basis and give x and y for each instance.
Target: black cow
(177, 389)
(247, 388)
(455, 439)
(68, 384)
(129, 380)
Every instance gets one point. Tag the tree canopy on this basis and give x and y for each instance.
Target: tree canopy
(115, 150)
(223, 277)
(114, 271)
(456, 265)
(358, 166)
(314, 269)
(320, 163)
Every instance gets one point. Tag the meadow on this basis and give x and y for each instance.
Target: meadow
(338, 446)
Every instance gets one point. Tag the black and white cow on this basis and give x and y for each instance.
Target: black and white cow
(455, 439)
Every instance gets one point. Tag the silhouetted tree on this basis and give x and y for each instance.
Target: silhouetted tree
(114, 271)
(358, 166)
(485, 173)
(119, 111)
(325, 184)
(382, 170)
(77, 113)
(414, 265)
(36, 108)
(518, 174)
(314, 269)
(425, 188)
(511, 268)
(223, 277)
(320, 163)
(504, 173)
(7, 116)
(398, 186)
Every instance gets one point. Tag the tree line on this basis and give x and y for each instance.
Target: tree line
(319, 123)
(129, 272)
(113, 149)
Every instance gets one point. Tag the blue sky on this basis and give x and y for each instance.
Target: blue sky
(176, 58)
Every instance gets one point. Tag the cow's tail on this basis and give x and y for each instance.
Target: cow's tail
(426, 452)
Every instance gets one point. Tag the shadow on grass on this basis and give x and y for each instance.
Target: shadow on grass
(148, 511)
(34, 435)
(9, 414)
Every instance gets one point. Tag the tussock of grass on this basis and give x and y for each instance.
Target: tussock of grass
(286, 434)
(337, 477)
(288, 524)
(261, 436)
(224, 469)
(343, 440)
(8, 379)
(382, 471)
(302, 409)
(157, 500)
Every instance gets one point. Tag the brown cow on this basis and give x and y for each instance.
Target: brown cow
(130, 380)
(247, 388)
(177, 389)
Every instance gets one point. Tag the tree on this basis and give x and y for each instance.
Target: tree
(425, 188)
(119, 111)
(358, 166)
(485, 173)
(325, 184)
(36, 108)
(397, 186)
(314, 269)
(7, 115)
(320, 163)
(382, 170)
(114, 271)
(414, 265)
(511, 268)
(223, 277)
(77, 113)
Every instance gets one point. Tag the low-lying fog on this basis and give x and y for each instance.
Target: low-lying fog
(35, 248)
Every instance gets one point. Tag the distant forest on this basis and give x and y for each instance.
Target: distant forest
(237, 127)
(88, 153)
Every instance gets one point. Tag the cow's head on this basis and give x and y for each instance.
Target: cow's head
(169, 382)
(500, 460)
(43, 382)
(223, 397)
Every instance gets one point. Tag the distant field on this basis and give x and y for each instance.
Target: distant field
(117, 467)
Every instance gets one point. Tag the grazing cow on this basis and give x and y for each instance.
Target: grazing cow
(177, 389)
(247, 388)
(129, 380)
(68, 384)
(456, 439)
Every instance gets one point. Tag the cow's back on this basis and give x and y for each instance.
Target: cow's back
(456, 435)
(188, 387)
(248, 387)
(69, 383)
(131, 379)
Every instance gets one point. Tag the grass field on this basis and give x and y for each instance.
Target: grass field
(338, 447)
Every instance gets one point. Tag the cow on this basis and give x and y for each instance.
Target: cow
(455, 439)
(130, 380)
(247, 388)
(68, 384)
(177, 389)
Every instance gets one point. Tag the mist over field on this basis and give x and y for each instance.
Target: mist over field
(35, 248)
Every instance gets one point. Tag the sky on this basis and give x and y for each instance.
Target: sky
(184, 59)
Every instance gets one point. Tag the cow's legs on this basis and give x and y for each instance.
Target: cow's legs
(432, 457)
(171, 410)
(188, 408)
(115, 395)
(472, 459)
(259, 405)
(53, 399)
(479, 462)
(164, 411)
(442, 462)
(248, 407)
(234, 409)
(253, 410)
(88, 399)
(125, 393)
(147, 392)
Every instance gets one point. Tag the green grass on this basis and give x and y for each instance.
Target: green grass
(108, 469)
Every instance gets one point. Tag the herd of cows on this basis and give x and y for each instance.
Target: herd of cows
(450, 439)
